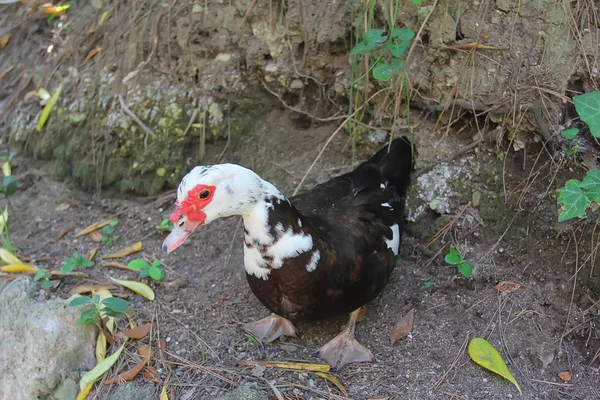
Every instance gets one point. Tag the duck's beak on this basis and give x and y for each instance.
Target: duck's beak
(183, 229)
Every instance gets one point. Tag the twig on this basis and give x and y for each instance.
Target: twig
(135, 117)
(246, 15)
(192, 119)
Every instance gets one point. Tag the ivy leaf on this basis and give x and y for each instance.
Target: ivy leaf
(396, 64)
(156, 273)
(10, 185)
(138, 264)
(383, 72)
(591, 184)
(362, 48)
(570, 133)
(573, 200)
(465, 269)
(374, 36)
(453, 257)
(397, 49)
(588, 108)
(404, 34)
(484, 354)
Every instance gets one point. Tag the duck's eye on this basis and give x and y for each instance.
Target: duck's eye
(204, 194)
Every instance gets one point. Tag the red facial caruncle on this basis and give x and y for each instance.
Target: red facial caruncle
(197, 198)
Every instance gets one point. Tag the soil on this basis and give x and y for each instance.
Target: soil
(547, 326)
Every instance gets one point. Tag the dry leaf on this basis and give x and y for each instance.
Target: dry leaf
(151, 373)
(131, 373)
(92, 253)
(333, 379)
(163, 393)
(139, 332)
(508, 287)
(565, 376)
(4, 40)
(94, 227)
(140, 288)
(82, 289)
(64, 233)
(114, 264)
(89, 30)
(96, 236)
(471, 46)
(92, 54)
(297, 366)
(403, 327)
(127, 251)
(161, 347)
(62, 207)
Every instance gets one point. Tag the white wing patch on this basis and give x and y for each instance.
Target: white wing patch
(394, 243)
(386, 205)
(382, 185)
(314, 260)
(289, 245)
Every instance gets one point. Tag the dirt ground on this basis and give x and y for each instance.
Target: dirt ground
(548, 326)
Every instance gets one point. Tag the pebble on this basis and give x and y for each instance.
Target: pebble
(296, 84)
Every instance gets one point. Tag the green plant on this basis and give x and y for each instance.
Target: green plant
(252, 339)
(107, 233)
(75, 262)
(426, 285)
(44, 278)
(455, 257)
(576, 196)
(146, 270)
(111, 306)
(165, 225)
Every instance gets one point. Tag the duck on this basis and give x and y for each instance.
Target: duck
(324, 253)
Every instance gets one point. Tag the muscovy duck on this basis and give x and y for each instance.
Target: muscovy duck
(323, 253)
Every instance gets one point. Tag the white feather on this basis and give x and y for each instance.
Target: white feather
(314, 260)
(394, 243)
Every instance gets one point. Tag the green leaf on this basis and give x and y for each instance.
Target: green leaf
(465, 269)
(10, 185)
(115, 304)
(39, 275)
(113, 223)
(374, 36)
(383, 72)
(570, 133)
(396, 64)
(588, 108)
(573, 200)
(484, 354)
(397, 49)
(362, 48)
(591, 184)
(426, 285)
(144, 273)
(108, 230)
(252, 339)
(156, 263)
(403, 34)
(398, 257)
(46, 284)
(138, 264)
(417, 2)
(81, 300)
(88, 317)
(100, 369)
(156, 273)
(68, 267)
(454, 257)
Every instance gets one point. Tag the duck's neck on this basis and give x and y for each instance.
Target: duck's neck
(273, 232)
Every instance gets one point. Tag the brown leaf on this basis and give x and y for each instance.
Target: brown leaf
(565, 376)
(131, 373)
(145, 352)
(64, 233)
(508, 287)
(403, 327)
(138, 332)
(127, 251)
(114, 264)
(62, 207)
(92, 253)
(92, 54)
(151, 373)
(96, 236)
(4, 40)
(81, 289)
(94, 227)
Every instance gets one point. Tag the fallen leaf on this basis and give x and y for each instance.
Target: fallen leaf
(403, 327)
(163, 393)
(508, 287)
(83, 289)
(139, 332)
(151, 373)
(100, 369)
(8, 257)
(4, 40)
(18, 268)
(140, 288)
(89, 30)
(83, 393)
(333, 379)
(48, 108)
(104, 17)
(161, 347)
(100, 347)
(127, 251)
(64, 233)
(297, 366)
(114, 264)
(6, 169)
(565, 376)
(94, 227)
(96, 236)
(62, 207)
(92, 54)
(131, 373)
(484, 354)
(92, 253)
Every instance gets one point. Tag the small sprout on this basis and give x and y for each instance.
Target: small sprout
(146, 270)
(43, 277)
(426, 285)
(107, 231)
(165, 226)
(75, 262)
(110, 306)
(455, 257)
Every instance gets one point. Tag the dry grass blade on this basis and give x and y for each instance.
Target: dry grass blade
(403, 327)
(296, 366)
(127, 251)
(333, 379)
(92, 54)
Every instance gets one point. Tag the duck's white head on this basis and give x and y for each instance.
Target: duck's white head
(211, 192)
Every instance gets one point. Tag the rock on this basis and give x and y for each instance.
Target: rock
(42, 349)
(296, 84)
(131, 391)
(378, 136)
(247, 391)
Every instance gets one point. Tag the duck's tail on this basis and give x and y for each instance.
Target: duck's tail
(395, 162)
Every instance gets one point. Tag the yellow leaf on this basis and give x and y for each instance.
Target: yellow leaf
(94, 227)
(101, 347)
(484, 354)
(8, 257)
(6, 170)
(3, 219)
(333, 379)
(163, 393)
(92, 54)
(105, 294)
(18, 268)
(84, 392)
(43, 94)
(48, 108)
(100, 369)
(127, 251)
(140, 288)
(105, 16)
